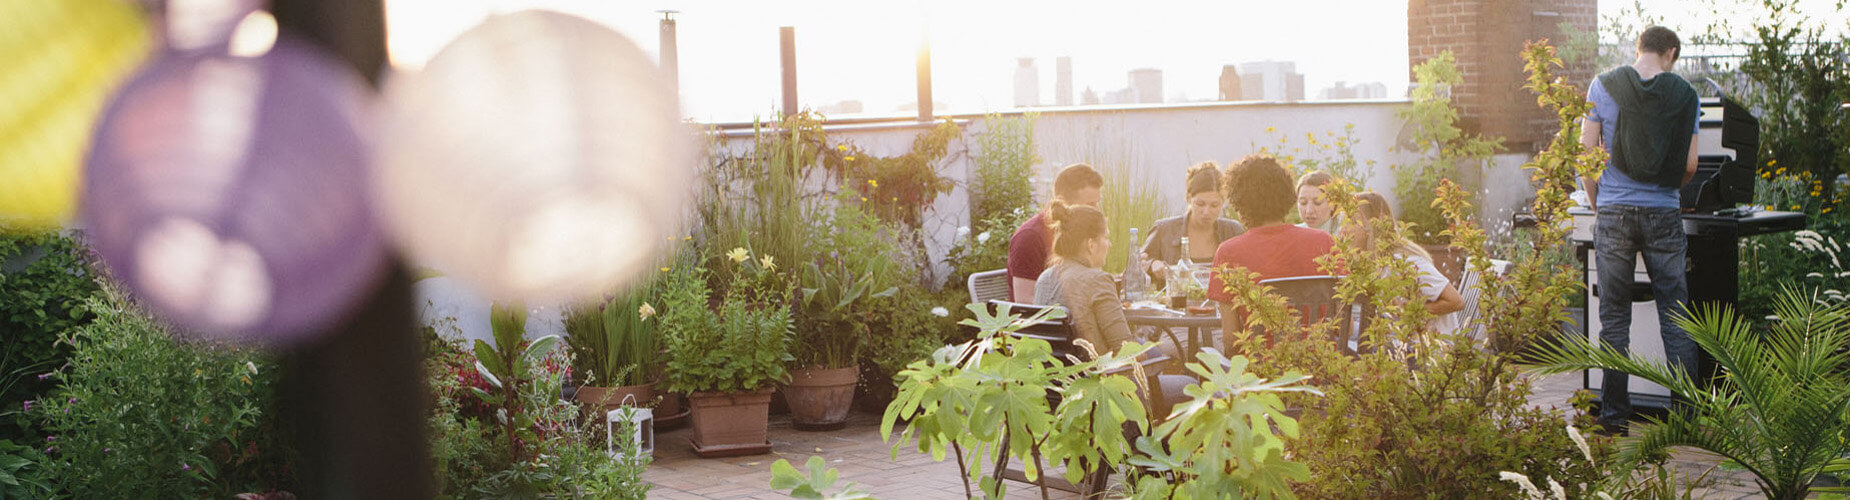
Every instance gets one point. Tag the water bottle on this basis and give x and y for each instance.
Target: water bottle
(1181, 276)
(1136, 283)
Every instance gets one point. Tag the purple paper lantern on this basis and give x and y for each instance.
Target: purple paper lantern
(229, 194)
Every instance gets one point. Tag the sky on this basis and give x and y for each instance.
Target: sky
(866, 50)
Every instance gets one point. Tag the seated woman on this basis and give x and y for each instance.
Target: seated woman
(1442, 299)
(1313, 208)
(1201, 223)
(1075, 280)
(1261, 193)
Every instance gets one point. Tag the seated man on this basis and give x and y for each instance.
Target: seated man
(1262, 194)
(1076, 185)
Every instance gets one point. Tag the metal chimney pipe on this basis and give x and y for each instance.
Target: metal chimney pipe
(787, 44)
(924, 70)
(671, 55)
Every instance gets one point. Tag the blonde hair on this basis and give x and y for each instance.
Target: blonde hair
(1370, 206)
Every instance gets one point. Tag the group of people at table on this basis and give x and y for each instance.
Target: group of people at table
(1057, 256)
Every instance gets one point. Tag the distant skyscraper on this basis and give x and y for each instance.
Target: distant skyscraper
(1271, 81)
(1027, 83)
(1089, 97)
(1063, 81)
(1229, 83)
(1146, 85)
(1342, 90)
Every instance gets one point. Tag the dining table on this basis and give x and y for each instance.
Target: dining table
(1199, 326)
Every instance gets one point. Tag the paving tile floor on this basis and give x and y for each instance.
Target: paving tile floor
(858, 452)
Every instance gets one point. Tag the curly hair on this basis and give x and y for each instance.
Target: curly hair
(1203, 177)
(1260, 189)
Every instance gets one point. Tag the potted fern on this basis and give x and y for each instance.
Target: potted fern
(615, 345)
(727, 357)
(833, 314)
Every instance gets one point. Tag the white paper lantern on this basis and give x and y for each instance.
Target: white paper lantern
(539, 157)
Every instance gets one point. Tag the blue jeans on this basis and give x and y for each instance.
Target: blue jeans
(1620, 235)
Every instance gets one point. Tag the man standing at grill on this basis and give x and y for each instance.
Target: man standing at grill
(1645, 116)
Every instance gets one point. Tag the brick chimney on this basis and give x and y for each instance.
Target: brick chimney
(1486, 36)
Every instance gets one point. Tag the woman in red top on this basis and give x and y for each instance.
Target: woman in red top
(1262, 193)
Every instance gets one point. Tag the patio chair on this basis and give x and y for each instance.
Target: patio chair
(1059, 334)
(1314, 297)
(989, 285)
(1468, 287)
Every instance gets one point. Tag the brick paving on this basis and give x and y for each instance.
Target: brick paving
(863, 458)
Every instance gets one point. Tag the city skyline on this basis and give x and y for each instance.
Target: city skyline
(865, 52)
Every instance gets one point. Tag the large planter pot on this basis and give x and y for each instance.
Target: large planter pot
(821, 397)
(729, 424)
(610, 398)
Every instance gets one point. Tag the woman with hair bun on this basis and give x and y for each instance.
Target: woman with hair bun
(1075, 278)
(1200, 222)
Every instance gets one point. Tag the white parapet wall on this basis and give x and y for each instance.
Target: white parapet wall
(1154, 143)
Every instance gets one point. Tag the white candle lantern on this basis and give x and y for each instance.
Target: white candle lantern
(642, 431)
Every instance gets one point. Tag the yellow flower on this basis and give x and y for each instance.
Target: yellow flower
(848, 158)
(863, 199)
(768, 263)
(1826, 210)
(687, 238)
(1271, 129)
(664, 269)
(841, 147)
(246, 379)
(645, 311)
(871, 183)
(738, 254)
(1772, 162)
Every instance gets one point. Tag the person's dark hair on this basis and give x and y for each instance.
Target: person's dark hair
(1259, 189)
(1202, 178)
(1659, 40)
(1315, 178)
(1073, 226)
(1075, 177)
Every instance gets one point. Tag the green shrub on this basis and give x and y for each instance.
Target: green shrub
(140, 412)
(44, 283)
(741, 346)
(1449, 151)
(566, 449)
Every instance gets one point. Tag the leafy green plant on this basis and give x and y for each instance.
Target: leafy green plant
(741, 346)
(1417, 413)
(1225, 439)
(507, 366)
(44, 283)
(1775, 407)
(814, 485)
(140, 412)
(1795, 82)
(615, 342)
(834, 314)
(984, 248)
(1004, 160)
(19, 472)
(986, 401)
(566, 451)
(1334, 155)
(1450, 153)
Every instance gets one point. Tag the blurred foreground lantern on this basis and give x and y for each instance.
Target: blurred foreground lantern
(538, 157)
(230, 193)
(61, 60)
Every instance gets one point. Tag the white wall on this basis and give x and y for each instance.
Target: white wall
(1154, 142)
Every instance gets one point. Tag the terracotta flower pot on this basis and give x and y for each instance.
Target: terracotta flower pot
(821, 397)
(728, 424)
(610, 398)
